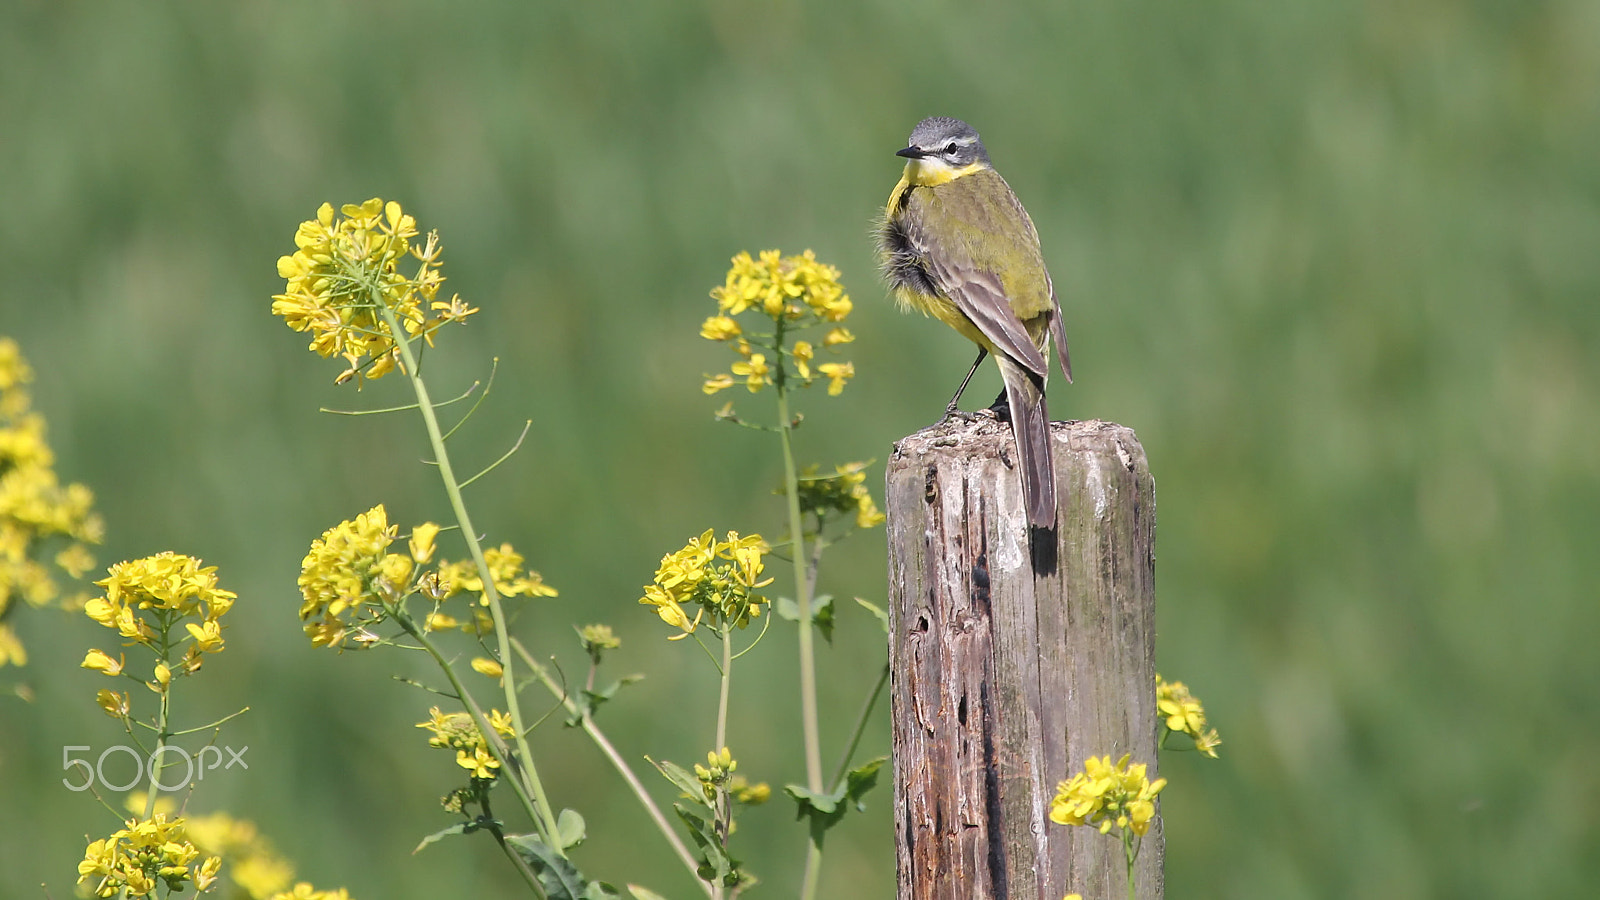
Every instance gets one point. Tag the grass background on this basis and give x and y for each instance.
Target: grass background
(1335, 262)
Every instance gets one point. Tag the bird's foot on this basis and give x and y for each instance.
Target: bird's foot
(960, 415)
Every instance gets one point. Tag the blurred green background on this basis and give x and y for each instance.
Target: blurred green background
(1337, 263)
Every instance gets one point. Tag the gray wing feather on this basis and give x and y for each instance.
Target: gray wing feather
(980, 297)
(1058, 331)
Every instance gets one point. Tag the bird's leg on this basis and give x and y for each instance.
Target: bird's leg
(951, 411)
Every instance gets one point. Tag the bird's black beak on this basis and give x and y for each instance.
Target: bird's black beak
(911, 153)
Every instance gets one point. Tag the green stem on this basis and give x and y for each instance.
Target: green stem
(538, 805)
(617, 762)
(517, 862)
(162, 722)
(802, 589)
(1129, 854)
(156, 764)
(490, 737)
(808, 668)
(861, 726)
(808, 887)
(722, 700)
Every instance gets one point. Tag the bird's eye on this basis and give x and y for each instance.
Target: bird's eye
(950, 149)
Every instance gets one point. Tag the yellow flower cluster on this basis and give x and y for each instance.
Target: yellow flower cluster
(1184, 714)
(717, 771)
(145, 855)
(744, 792)
(844, 491)
(1104, 795)
(349, 580)
(344, 275)
(597, 639)
(794, 292)
(253, 864)
(145, 600)
(718, 577)
(35, 508)
(457, 731)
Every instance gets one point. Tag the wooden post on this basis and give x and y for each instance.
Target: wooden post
(1004, 681)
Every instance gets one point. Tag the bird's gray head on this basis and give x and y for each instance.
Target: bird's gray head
(950, 141)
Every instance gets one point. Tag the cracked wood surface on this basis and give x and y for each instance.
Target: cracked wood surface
(1005, 681)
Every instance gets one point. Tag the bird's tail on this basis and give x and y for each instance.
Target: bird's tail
(1031, 426)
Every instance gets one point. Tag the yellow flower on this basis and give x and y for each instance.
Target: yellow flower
(749, 794)
(485, 666)
(346, 272)
(693, 577)
(1106, 795)
(11, 649)
(422, 538)
(326, 632)
(720, 328)
(115, 705)
(746, 554)
(339, 575)
(596, 638)
(457, 731)
(207, 636)
(37, 511)
(505, 564)
(102, 662)
(838, 374)
(794, 292)
(844, 491)
(1183, 713)
(206, 876)
(75, 560)
(168, 582)
(668, 609)
(687, 566)
(714, 383)
(479, 761)
(145, 854)
(755, 371)
(802, 358)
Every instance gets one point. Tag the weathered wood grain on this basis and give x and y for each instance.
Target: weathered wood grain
(1005, 681)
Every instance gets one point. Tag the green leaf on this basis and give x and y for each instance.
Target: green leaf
(457, 828)
(883, 617)
(643, 893)
(683, 779)
(862, 779)
(599, 890)
(824, 810)
(715, 863)
(570, 829)
(588, 702)
(821, 613)
(814, 801)
(560, 879)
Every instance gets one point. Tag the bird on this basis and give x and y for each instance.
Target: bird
(955, 244)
